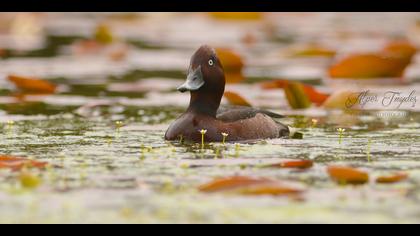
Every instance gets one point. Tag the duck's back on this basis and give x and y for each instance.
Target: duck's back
(259, 118)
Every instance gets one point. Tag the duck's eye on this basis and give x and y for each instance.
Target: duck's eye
(211, 62)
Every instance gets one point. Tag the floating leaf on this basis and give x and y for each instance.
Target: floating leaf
(270, 189)
(314, 95)
(398, 177)
(348, 175)
(232, 64)
(32, 85)
(313, 51)
(400, 48)
(236, 99)
(229, 183)
(274, 84)
(367, 66)
(237, 15)
(249, 186)
(296, 95)
(17, 163)
(298, 164)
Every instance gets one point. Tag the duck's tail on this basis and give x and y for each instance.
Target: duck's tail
(284, 130)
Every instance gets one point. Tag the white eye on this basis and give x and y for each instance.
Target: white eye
(211, 62)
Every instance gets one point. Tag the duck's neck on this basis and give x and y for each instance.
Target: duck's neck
(205, 103)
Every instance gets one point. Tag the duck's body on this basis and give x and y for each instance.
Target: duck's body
(206, 82)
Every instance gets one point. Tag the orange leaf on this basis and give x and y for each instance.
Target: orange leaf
(368, 66)
(296, 95)
(299, 164)
(400, 48)
(249, 186)
(229, 183)
(237, 15)
(391, 178)
(17, 163)
(313, 51)
(346, 175)
(314, 95)
(32, 85)
(274, 84)
(236, 99)
(270, 189)
(232, 65)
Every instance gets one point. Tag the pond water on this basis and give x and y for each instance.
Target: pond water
(102, 131)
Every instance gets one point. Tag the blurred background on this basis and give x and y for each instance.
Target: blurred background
(96, 54)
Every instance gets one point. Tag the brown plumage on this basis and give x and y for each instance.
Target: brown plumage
(206, 83)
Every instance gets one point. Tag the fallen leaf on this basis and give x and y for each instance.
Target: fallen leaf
(313, 51)
(314, 95)
(270, 189)
(365, 66)
(398, 177)
(296, 95)
(347, 175)
(236, 99)
(274, 84)
(32, 85)
(299, 164)
(249, 186)
(17, 163)
(400, 48)
(229, 183)
(237, 15)
(232, 64)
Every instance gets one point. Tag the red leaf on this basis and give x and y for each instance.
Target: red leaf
(229, 183)
(249, 186)
(314, 95)
(236, 99)
(17, 163)
(346, 175)
(32, 85)
(398, 177)
(299, 164)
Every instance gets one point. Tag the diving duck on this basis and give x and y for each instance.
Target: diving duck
(206, 84)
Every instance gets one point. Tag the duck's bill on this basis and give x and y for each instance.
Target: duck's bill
(194, 81)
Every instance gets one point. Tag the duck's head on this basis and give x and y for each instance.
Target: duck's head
(205, 73)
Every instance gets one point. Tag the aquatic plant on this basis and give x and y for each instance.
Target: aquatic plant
(237, 149)
(314, 123)
(203, 133)
(341, 133)
(119, 124)
(10, 125)
(369, 158)
(224, 138)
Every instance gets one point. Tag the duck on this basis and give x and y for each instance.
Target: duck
(206, 83)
